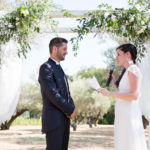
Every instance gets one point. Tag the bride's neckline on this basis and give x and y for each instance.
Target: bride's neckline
(130, 66)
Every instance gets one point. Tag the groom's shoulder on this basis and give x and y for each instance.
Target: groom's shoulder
(46, 65)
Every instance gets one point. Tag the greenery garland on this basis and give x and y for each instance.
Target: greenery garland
(131, 25)
(24, 21)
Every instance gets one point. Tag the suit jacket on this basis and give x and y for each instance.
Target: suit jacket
(57, 102)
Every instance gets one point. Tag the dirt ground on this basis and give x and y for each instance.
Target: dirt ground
(85, 138)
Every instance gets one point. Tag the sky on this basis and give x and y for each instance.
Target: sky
(91, 49)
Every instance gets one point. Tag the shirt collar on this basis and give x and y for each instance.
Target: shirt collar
(57, 63)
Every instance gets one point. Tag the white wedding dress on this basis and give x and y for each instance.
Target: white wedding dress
(129, 131)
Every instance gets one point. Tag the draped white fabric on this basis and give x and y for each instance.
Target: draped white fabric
(145, 99)
(149, 136)
(10, 75)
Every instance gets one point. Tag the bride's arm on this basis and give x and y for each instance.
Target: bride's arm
(134, 89)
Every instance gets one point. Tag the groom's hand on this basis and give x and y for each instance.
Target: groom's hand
(73, 114)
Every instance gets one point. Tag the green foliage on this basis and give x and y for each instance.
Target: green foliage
(101, 104)
(26, 121)
(109, 117)
(30, 98)
(23, 22)
(145, 3)
(130, 25)
(110, 55)
(89, 103)
(35, 113)
(80, 92)
(100, 74)
(103, 121)
(67, 13)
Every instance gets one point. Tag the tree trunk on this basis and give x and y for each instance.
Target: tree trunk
(6, 125)
(74, 124)
(96, 119)
(95, 122)
(90, 122)
(145, 122)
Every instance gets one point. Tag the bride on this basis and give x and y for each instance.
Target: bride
(128, 128)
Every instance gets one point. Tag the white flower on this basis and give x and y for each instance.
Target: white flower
(140, 31)
(135, 27)
(10, 26)
(106, 14)
(17, 24)
(142, 22)
(137, 6)
(113, 18)
(17, 19)
(119, 14)
(144, 27)
(6, 24)
(123, 31)
(25, 12)
(131, 19)
(127, 23)
(99, 21)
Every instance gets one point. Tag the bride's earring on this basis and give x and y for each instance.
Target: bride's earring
(129, 60)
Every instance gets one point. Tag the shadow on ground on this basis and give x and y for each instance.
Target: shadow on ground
(85, 138)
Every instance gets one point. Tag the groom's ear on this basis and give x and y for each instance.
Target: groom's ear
(54, 49)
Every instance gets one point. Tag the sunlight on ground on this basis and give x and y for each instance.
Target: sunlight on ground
(85, 138)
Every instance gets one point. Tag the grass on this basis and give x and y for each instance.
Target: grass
(27, 121)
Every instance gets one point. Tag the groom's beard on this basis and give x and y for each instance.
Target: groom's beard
(61, 57)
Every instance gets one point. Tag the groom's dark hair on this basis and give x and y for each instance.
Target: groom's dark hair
(58, 41)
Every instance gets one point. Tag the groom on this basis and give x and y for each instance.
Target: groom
(58, 106)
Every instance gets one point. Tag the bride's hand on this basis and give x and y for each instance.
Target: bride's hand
(104, 92)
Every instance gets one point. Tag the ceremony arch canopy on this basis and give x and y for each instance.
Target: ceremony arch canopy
(132, 25)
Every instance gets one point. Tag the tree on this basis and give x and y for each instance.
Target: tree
(100, 107)
(109, 117)
(100, 74)
(30, 100)
(91, 105)
(110, 55)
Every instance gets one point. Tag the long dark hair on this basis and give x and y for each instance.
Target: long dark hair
(133, 51)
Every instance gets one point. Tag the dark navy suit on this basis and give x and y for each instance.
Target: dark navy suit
(57, 105)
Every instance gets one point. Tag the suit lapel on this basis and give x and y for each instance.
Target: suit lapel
(58, 69)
